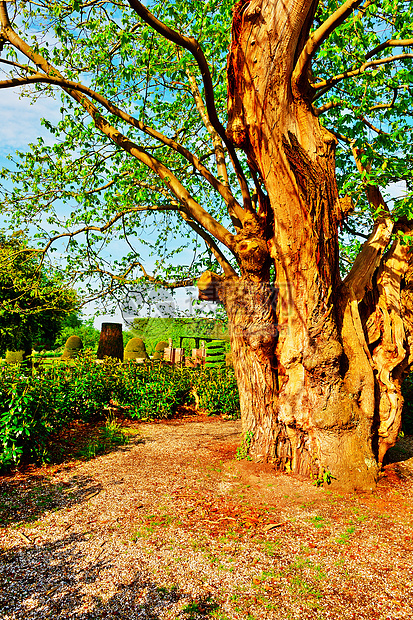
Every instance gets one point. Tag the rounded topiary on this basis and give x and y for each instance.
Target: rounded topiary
(14, 357)
(135, 350)
(72, 348)
(159, 350)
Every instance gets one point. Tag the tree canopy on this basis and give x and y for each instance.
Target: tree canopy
(140, 151)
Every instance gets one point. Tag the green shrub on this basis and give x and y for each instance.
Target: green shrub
(152, 390)
(14, 357)
(217, 390)
(38, 403)
(135, 349)
(35, 403)
(215, 354)
(72, 348)
(159, 350)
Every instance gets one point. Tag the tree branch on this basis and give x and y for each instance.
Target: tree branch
(216, 140)
(165, 174)
(374, 195)
(223, 189)
(318, 37)
(192, 45)
(353, 231)
(325, 85)
(389, 43)
(229, 271)
(373, 127)
(168, 285)
(106, 226)
(386, 106)
(328, 106)
(342, 102)
(368, 259)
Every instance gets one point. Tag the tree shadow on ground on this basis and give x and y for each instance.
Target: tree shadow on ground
(27, 493)
(85, 440)
(24, 500)
(53, 580)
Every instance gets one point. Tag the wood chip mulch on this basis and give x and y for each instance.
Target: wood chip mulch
(172, 526)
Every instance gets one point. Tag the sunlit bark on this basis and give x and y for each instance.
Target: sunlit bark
(318, 392)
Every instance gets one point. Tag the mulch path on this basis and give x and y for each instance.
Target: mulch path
(172, 526)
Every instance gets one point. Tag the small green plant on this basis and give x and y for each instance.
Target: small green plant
(110, 436)
(324, 477)
(243, 449)
(219, 615)
(191, 609)
(202, 606)
(344, 538)
(318, 521)
(167, 592)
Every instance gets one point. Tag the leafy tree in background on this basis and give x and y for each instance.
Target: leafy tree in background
(140, 148)
(73, 325)
(34, 301)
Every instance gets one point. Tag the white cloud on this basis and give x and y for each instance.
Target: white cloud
(396, 190)
(20, 120)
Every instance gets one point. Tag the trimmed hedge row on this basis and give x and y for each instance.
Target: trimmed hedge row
(36, 403)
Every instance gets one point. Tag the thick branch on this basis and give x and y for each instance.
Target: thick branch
(194, 209)
(223, 189)
(328, 106)
(318, 37)
(192, 45)
(389, 43)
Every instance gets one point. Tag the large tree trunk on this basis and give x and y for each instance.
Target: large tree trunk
(314, 398)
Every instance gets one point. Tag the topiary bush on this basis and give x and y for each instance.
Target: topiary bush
(14, 357)
(72, 348)
(215, 354)
(135, 349)
(158, 355)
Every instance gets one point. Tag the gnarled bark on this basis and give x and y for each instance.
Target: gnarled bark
(319, 376)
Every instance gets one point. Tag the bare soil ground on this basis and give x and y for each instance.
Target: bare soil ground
(172, 526)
